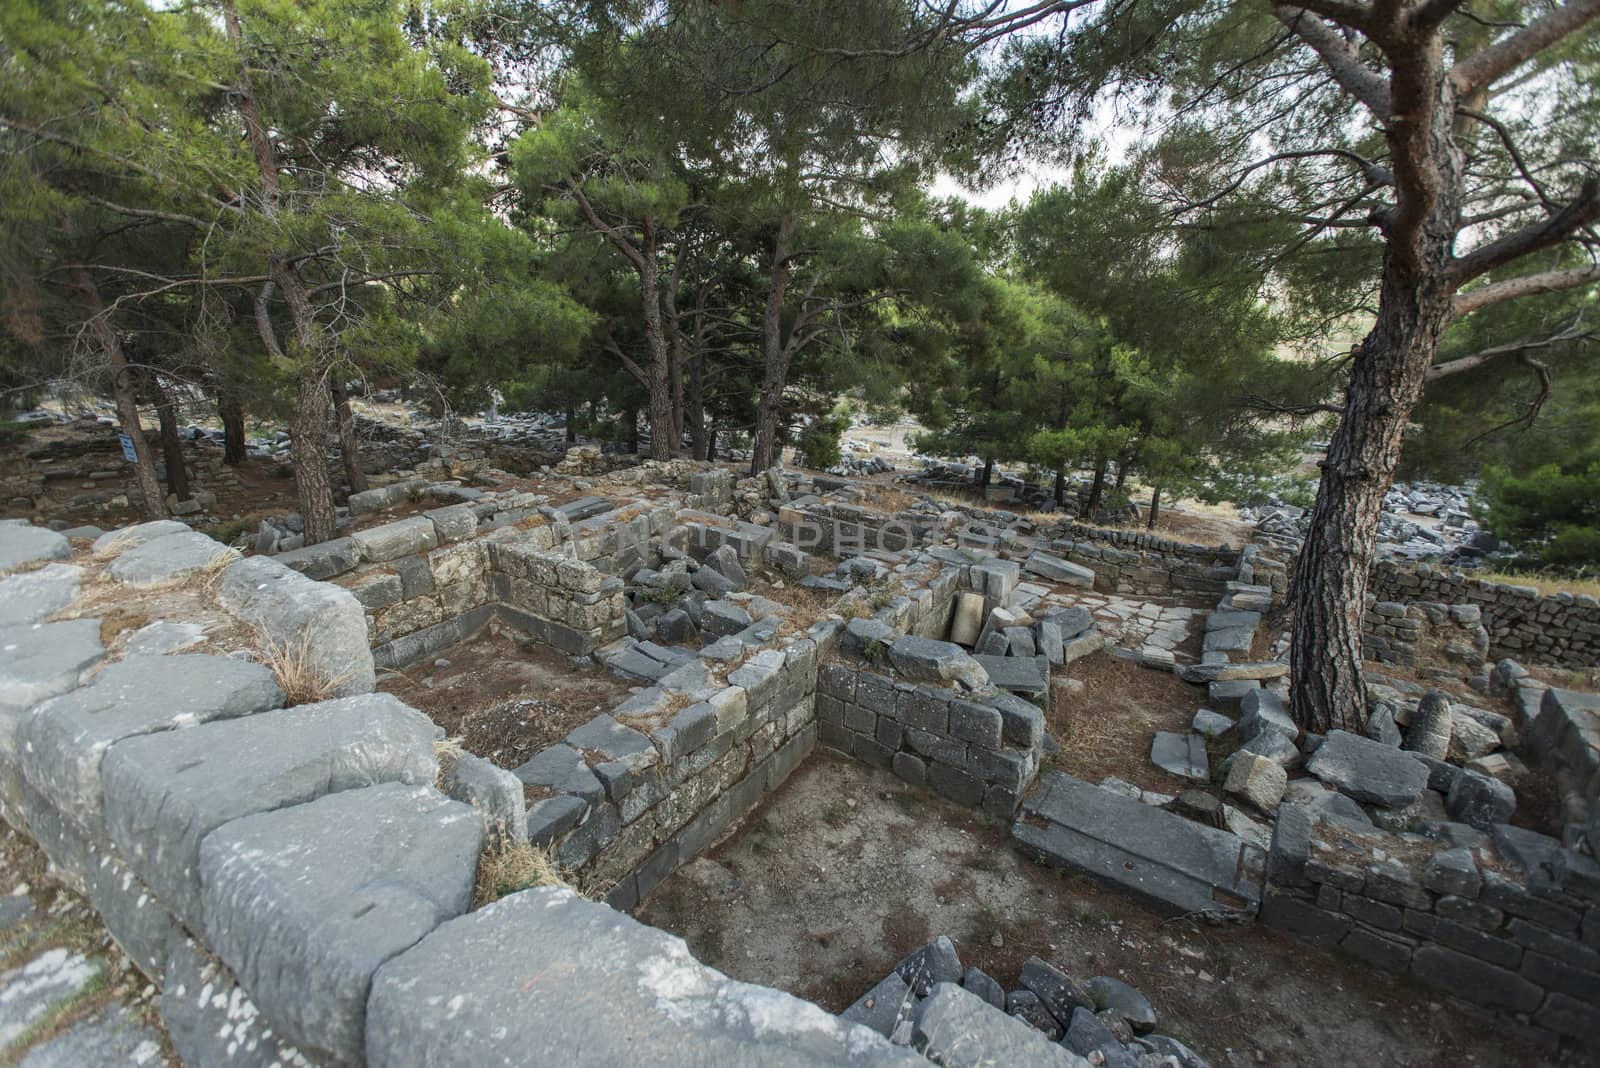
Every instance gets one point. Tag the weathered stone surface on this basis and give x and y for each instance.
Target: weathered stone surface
(1175, 864)
(1058, 992)
(1124, 1000)
(161, 637)
(1480, 801)
(30, 992)
(33, 595)
(978, 982)
(40, 660)
(884, 1006)
(110, 1037)
(1228, 694)
(1209, 723)
(561, 769)
(554, 816)
(1208, 673)
(166, 792)
(927, 965)
(323, 560)
(1018, 674)
(1469, 978)
(1263, 710)
(724, 560)
(305, 903)
(22, 543)
(1368, 771)
(966, 619)
(212, 1021)
(1429, 730)
(1257, 780)
(930, 660)
(959, 1029)
(64, 740)
(1088, 1036)
(1025, 1005)
(1063, 572)
(1470, 739)
(169, 558)
(536, 960)
(1183, 755)
(403, 537)
(113, 542)
(296, 613)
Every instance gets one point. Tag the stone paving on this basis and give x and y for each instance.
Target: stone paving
(1149, 628)
(68, 997)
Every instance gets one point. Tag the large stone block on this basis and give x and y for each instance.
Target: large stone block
(169, 559)
(166, 792)
(64, 741)
(518, 980)
(34, 595)
(930, 660)
(323, 560)
(404, 537)
(304, 904)
(1368, 771)
(322, 622)
(211, 1021)
(22, 543)
(959, 1029)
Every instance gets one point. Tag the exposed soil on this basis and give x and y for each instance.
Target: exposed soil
(505, 702)
(845, 869)
(1107, 727)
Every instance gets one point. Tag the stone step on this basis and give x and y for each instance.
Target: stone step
(1174, 865)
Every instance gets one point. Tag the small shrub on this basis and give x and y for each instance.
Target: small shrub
(664, 597)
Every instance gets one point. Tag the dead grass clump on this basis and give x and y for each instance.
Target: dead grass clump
(1546, 583)
(118, 622)
(508, 867)
(301, 679)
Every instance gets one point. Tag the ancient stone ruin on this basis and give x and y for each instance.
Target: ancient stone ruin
(309, 868)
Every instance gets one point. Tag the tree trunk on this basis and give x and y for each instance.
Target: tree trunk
(144, 466)
(1155, 508)
(774, 352)
(633, 431)
(1061, 487)
(308, 432)
(231, 410)
(1386, 379)
(696, 407)
(572, 423)
(349, 448)
(171, 444)
(1122, 474)
(1097, 489)
(656, 385)
(987, 476)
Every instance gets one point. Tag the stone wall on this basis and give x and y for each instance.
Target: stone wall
(1557, 629)
(299, 888)
(1440, 912)
(1450, 637)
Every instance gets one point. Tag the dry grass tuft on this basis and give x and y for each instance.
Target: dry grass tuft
(207, 577)
(302, 681)
(507, 867)
(1546, 583)
(119, 621)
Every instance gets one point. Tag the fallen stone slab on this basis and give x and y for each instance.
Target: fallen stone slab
(1211, 724)
(1258, 780)
(321, 624)
(966, 619)
(112, 1035)
(1479, 800)
(169, 559)
(927, 965)
(1122, 999)
(931, 660)
(1227, 695)
(1259, 669)
(304, 904)
(33, 595)
(323, 560)
(46, 984)
(1176, 865)
(1073, 620)
(520, 977)
(160, 638)
(1057, 570)
(1183, 755)
(1263, 710)
(166, 792)
(1368, 771)
(1017, 674)
(403, 537)
(884, 1007)
(959, 1029)
(561, 769)
(64, 741)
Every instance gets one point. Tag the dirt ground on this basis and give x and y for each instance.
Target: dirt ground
(504, 700)
(1107, 727)
(845, 869)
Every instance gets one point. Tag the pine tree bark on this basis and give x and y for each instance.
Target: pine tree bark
(987, 474)
(349, 447)
(1061, 487)
(171, 445)
(144, 466)
(572, 424)
(231, 410)
(696, 407)
(1155, 508)
(1097, 489)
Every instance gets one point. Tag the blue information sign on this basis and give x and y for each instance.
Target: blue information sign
(128, 452)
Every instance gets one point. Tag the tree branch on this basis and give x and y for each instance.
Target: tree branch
(1505, 55)
(1526, 286)
(1463, 364)
(1541, 374)
(1582, 210)
(1341, 58)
